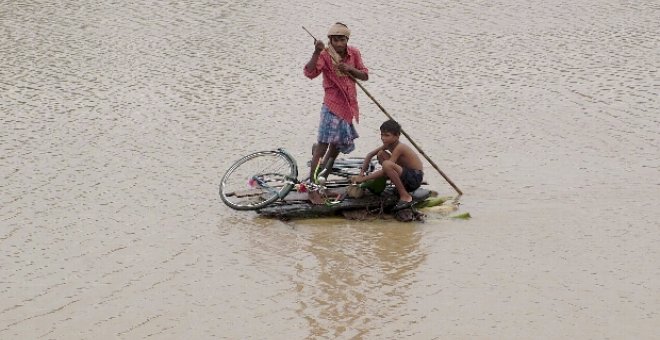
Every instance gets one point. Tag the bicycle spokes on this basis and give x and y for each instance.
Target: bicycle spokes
(258, 179)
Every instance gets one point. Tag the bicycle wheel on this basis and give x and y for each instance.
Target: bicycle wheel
(258, 180)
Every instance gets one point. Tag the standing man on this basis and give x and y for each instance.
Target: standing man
(340, 107)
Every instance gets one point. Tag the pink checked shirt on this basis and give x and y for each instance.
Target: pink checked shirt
(340, 92)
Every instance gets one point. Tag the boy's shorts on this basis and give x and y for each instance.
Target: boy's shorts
(411, 179)
(336, 131)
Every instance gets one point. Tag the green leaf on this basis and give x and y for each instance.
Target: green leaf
(463, 216)
(432, 202)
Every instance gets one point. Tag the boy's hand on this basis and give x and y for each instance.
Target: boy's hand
(318, 46)
(357, 179)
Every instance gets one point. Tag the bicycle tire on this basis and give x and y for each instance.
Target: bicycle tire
(258, 180)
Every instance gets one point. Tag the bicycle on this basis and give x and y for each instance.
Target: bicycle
(261, 178)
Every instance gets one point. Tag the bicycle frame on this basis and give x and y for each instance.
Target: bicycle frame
(277, 175)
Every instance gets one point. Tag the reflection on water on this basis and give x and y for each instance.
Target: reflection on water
(119, 120)
(354, 279)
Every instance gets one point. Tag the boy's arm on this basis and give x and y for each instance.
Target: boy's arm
(367, 160)
(362, 178)
(398, 151)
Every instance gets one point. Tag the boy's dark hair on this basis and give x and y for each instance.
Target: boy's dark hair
(391, 126)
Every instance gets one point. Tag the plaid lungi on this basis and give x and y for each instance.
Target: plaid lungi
(336, 131)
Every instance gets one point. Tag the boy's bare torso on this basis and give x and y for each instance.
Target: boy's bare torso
(404, 156)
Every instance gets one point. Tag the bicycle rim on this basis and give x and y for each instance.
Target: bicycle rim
(258, 180)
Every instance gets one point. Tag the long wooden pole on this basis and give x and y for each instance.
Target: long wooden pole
(410, 139)
(402, 131)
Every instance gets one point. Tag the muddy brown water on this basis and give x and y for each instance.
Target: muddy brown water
(120, 118)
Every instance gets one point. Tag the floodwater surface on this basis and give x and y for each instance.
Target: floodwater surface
(120, 118)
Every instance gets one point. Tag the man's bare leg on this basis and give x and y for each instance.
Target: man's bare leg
(317, 152)
(329, 160)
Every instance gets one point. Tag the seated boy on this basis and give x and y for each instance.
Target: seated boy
(399, 163)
